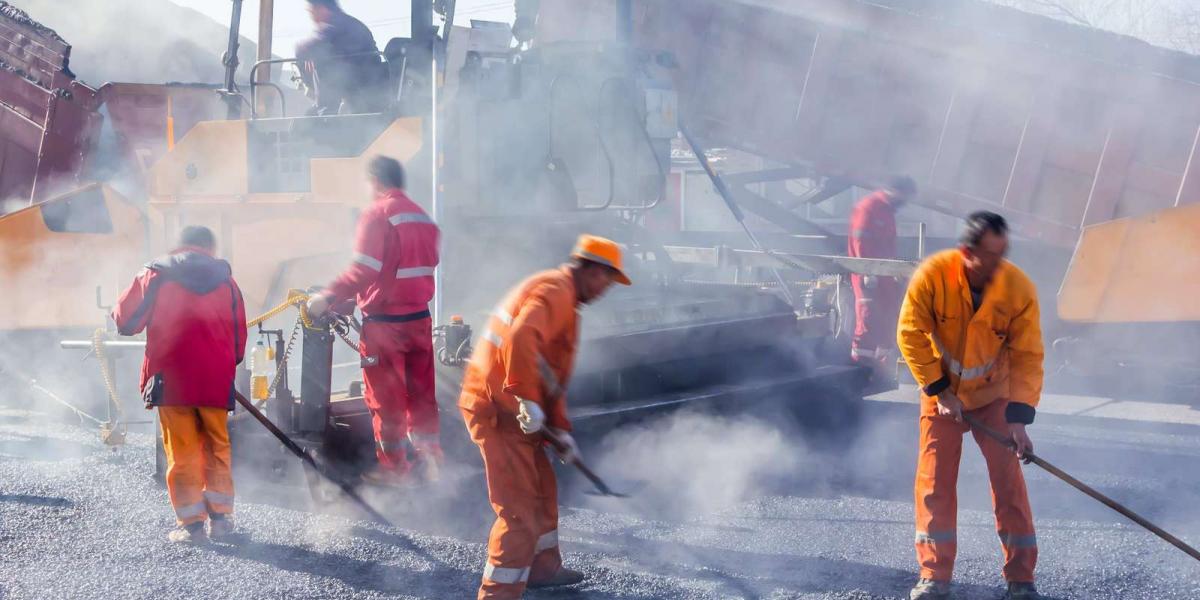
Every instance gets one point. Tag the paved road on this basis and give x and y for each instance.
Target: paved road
(725, 508)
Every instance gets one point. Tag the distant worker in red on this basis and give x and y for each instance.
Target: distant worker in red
(195, 323)
(395, 256)
(876, 299)
(514, 388)
(340, 66)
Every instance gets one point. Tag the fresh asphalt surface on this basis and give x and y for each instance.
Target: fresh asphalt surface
(80, 520)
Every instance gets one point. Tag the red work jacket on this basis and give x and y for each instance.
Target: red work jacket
(872, 228)
(395, 254)
(195, 323)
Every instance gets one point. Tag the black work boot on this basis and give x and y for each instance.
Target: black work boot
(222, 529)
(564, 576)
(1021, 590)
(928, 589)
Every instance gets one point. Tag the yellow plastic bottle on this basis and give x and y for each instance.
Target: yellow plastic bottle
(260, 371)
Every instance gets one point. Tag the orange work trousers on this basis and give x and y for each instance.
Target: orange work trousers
(522, 489)
(937, 494)
(199, 473)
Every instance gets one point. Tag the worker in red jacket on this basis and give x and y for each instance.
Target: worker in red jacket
(395, 255)
(195, 323)
(876, 299)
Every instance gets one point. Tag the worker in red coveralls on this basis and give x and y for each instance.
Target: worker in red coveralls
(195, 323)
(876, 299)
(395, 255)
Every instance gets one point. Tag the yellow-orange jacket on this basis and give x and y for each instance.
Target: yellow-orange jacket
(981, 356)
(528, 350)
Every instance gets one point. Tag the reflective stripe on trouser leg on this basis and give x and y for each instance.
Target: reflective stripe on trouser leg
(191, 513)
(218, 502)
(523, 494)
(935, 493)
(1014, 516)
(507, 575)
(184, 448)
(547, 541)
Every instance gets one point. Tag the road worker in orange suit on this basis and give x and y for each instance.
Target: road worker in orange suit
(395, 256)
(195, 323)
(876, 299)
(969, 331)
(514, 387)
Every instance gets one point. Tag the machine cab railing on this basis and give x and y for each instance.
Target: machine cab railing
(396, 59)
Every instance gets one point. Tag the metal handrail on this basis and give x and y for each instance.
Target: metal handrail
(612, 169)
(282, 103)
(662, 172)
(254, 85)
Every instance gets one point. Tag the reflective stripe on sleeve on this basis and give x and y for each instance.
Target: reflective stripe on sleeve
(553, 387)
(505, 574)
(503, 315)
(410, 218)
(957, 369)
(369, 262)
(412, 272)
(491, 336)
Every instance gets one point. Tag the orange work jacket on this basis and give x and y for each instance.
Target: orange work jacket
(980, 355)
(527, 350)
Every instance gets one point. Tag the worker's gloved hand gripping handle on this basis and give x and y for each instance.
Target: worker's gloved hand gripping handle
(530, 416)
(564, 443)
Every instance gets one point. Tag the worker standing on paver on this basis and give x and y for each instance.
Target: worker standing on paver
(514, 387)
(876, 299)
(395, 256)
(195, 323)
(969, 330)
(340, 65)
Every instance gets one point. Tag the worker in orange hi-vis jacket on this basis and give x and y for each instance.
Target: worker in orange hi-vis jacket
(969, 330)
(514, 387)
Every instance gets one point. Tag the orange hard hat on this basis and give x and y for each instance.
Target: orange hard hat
(603, 251)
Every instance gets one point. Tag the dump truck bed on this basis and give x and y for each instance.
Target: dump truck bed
(1054, 126)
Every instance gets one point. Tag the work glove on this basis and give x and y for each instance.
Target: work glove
(530, 416)
(570, 453)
